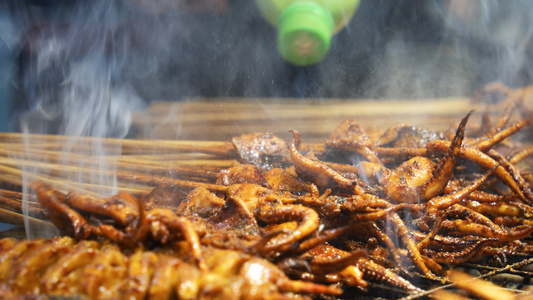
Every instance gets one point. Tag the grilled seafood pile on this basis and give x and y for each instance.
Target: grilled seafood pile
(400, 209)
(102, 270)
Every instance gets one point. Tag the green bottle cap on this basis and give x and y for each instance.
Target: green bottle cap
(304, 33)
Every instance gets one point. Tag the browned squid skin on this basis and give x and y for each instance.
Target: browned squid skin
(162, 196)
(460, 256)
(496, 136)
(462, 227)
(64, 218)
(470, 215)
(339, 265)
(510, 222)
(377, 273)
(503, 209)
(200, 202)
(64, 211)
(515, 183)
(322, 260)
(514, 172)
(164, 225)
(451, 245)
(470, 223)
(122, 207)
(521, 154)
(401, 185)
(414, 253)
(235, 215)
(244, 173)
(265, 205)
(318, 173)
(351, 138)
(406, 136)
(419, 178)
(445, 201)
(287, 180)
(444, 171)
(64, 267)
(263, 150)
(477, 195)
(372, 215)
(26, 274)
(306, 217)
(161, 224)
(332, 207)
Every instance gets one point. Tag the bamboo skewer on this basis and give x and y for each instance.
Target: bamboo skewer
(290, 109)
(19, 151)
(137, 173)
(17, 195)
(34, 210)
(14, 218)
(138, 166)
(183, 150)
(197, 170)
(314, 119)
(127, 146)
(91, 170)
(147, 180)
(14, 177)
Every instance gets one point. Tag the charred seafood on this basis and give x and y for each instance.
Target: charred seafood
(400, 211)
(100, 270)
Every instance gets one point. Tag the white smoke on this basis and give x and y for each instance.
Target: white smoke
(501, 30)
(81, 61)
(80, 65)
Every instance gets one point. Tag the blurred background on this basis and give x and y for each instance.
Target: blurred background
(105, 56)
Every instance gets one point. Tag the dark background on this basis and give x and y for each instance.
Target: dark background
(62, 52)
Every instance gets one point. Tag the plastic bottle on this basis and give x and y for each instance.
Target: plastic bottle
(305, 27)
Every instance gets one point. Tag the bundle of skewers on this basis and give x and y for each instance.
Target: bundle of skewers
(393, 213)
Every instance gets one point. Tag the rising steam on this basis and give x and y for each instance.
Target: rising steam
(89, 64)
(78, 80)
(82, 60)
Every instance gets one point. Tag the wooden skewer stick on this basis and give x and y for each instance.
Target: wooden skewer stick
(14, 218)
(124, 162)
(482, 288)
(16, 195)
(63, 156)
(14, 176)
(34, 210)
(125, 176)
(130, 177)
(22, 152)
(92, 170)
(219, 148)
